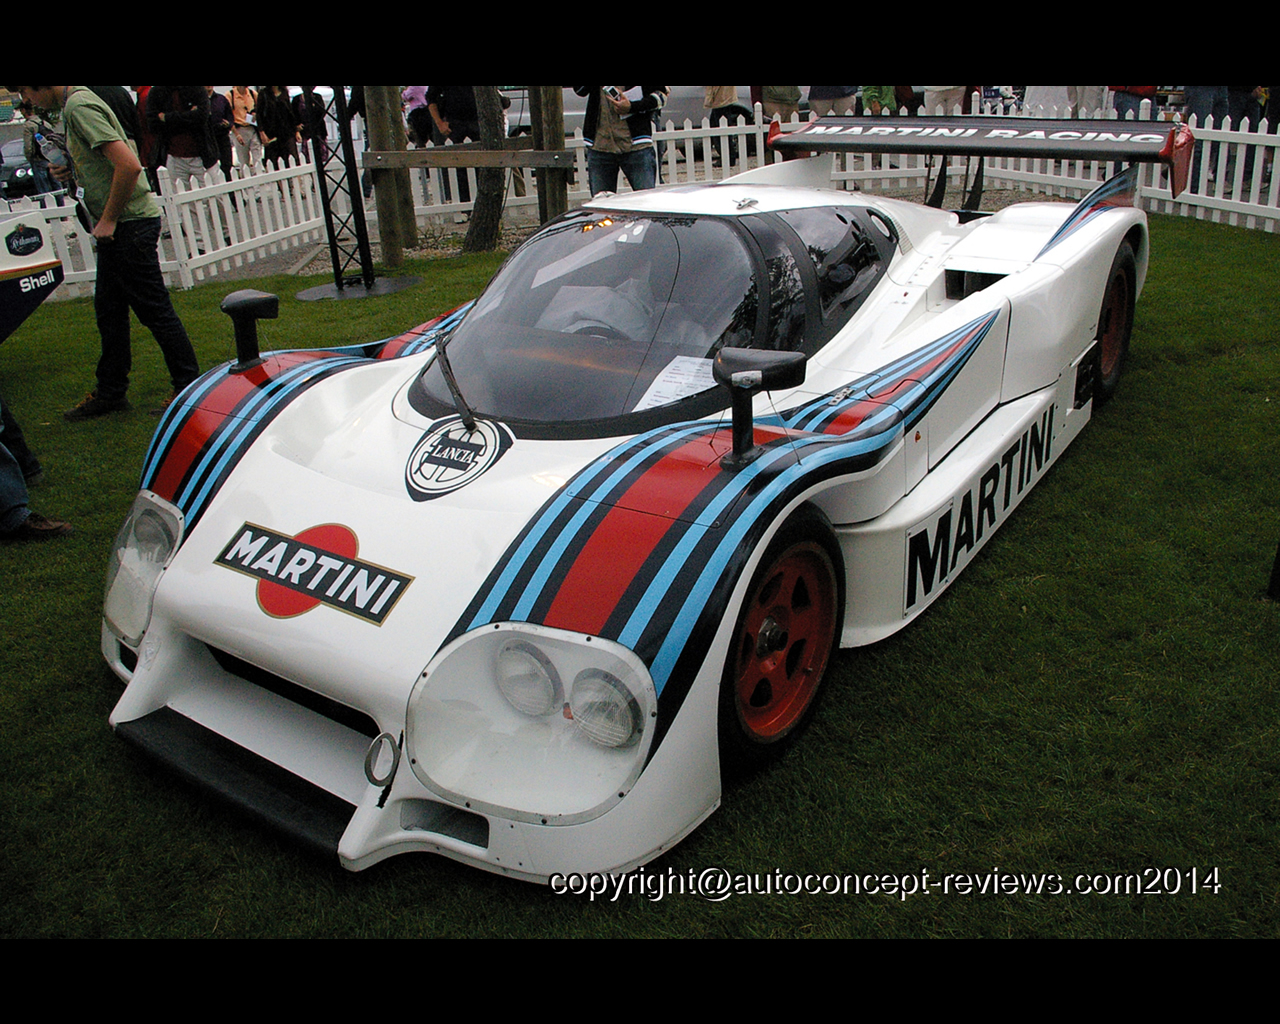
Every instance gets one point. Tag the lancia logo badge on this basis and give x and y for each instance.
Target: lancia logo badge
(449, 456)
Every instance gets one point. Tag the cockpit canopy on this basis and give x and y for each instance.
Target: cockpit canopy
(607, 323)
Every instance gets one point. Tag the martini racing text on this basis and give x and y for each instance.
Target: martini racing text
(1034, 135)
(360, 588)
(944, 543)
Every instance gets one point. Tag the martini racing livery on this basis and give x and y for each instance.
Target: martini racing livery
(516, 586)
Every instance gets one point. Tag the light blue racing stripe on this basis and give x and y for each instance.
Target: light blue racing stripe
(823, 447)
(175, 418)
(545, 521)
(279, 392)
(700, 593)
(428, 338)
(547, 566)
(661, 583)
(1094, 203)
(885, 377)
(836, 449)
(251, 406)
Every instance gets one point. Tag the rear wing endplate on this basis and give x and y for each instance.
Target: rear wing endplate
(1159, 142)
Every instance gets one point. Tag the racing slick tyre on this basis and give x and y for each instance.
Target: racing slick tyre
(1115, 323)
(782, 644)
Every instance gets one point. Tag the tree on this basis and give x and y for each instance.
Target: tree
(486, 214)
(397, 227)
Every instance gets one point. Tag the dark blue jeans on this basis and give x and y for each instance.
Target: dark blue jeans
(13, 489)
(12, 438)
(640, 166)
(1205, 101)
(129, 278)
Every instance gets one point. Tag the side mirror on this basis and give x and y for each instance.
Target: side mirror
(745, 372)
(246, 307)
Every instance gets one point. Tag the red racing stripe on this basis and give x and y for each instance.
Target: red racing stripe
(624, 539)
(395, 346)
(214, 408)
(614, 555)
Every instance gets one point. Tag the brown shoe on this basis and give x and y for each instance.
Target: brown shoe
(37, 527)
(163, 407)
(91, 406)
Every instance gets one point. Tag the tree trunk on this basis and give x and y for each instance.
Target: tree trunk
(397, 229)
(486, 214)
(546, 111)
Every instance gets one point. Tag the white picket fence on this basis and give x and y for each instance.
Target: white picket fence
(224, 223)
(210, 227)
(218, 225)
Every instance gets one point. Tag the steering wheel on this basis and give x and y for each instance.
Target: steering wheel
(602, 331)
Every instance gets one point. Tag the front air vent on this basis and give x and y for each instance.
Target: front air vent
(356, 721)
(963, 283)
(443, 820)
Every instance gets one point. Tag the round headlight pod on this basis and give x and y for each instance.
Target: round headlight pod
(153, 537)
(466, 741)
(604, 709)
(146, 542)
(527, 679)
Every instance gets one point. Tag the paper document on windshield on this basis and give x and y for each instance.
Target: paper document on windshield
(680, 378)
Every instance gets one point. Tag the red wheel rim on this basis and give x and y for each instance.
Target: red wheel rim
(784, 641)
(1115, 324)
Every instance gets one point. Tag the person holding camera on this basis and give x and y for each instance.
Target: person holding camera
(618, 132)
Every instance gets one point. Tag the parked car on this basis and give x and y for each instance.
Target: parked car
(16, 177)
(518, 585)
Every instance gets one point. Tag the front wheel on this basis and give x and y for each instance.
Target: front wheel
(782, 643)
(1115, 323)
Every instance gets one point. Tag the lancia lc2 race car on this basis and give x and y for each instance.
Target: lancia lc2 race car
(516, 586)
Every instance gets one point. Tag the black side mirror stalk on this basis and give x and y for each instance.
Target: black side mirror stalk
(246, 307)
(745, 372)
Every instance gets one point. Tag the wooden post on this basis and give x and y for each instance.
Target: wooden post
(404, 189)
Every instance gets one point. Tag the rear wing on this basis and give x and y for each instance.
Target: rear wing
(1159, 142)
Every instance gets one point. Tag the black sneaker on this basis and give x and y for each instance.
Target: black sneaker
(91, 406)
(37, 527)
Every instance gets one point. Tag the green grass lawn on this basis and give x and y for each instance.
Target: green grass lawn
(1096, 695)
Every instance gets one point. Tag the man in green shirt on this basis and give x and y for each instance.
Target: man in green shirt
(127, 233)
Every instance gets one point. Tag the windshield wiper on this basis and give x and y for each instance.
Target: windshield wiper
(459, 403)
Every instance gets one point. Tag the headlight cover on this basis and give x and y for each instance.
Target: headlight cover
(492, 726)
(145, 544)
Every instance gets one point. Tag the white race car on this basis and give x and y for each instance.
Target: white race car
(515, 586)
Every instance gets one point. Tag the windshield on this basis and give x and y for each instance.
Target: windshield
(601, 316)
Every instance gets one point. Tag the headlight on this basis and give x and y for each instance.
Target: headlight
(528, 679)
(144, 545)
(489, 725)
(605, 709)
